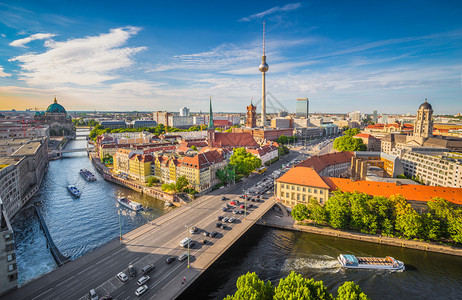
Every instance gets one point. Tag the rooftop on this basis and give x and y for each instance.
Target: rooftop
(321, 162)
(303, 176)
(27, 149)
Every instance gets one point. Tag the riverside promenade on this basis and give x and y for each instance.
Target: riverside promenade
(276, 219)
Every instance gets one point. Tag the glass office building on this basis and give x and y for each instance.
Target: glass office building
(302, 108)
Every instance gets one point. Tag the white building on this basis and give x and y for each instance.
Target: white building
(184, 111)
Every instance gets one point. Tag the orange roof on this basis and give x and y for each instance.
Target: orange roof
(319, 163)
(303, 176)
(234, 140)
(363, 135)
(410, 192)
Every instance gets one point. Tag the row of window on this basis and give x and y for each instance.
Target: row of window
(302, 189)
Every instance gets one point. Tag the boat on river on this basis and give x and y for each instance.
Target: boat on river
(133, 205)
(74, 191)
(378, 263)
(89, 176)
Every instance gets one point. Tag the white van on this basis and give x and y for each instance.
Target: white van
(184, 242)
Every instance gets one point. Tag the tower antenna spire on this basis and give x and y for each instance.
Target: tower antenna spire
(263, 37)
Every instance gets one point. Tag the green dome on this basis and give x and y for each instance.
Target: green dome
(56, 108)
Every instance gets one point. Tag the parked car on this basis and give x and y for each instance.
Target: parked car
(224, 198)
(225, 209)
(204, 241)
(225, 219)
(143, 280)
(213, 234)
(148, 268)
(169, 260)
(122, 276)
(224, 226)
(131, 270)
(206, 233)
(235, 211)
(93, 295)
(218, 225)
(232, 203)
(231, 220)
(141, 290)
(220, 218)
(107, 297)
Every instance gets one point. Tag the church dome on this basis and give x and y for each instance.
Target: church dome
(55, 108)
(425, 105)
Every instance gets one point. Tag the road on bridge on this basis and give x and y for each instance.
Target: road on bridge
(152, 243)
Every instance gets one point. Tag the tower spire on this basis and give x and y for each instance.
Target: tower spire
(210, 115)
(263, 38)
(263, 68)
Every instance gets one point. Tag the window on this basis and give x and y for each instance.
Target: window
(13, 277)
(315, 191)
(298, 196)
(11, 267)
(298, 188)
(287, 195)
(304, 198)
(293, 188)
(304, 189)
(309, 190)
(320, 191)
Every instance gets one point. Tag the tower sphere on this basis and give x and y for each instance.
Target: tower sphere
(263, 66)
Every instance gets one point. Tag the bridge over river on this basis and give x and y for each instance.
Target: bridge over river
(151, 243)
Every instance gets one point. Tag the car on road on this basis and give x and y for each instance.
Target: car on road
(242, 206)
(131, 270)
(141, 290)
(233, 203)
(122, 276)
(204, 241)
(93, 295)
(224, 198)
(107, 297)
(219, 218)
(218, 225)
(183, 257)
(235, 211)
(169, 260)
(193, 230)
(143, 280)
(224, 226)
(148, 268)
(242, 212)
(225, 209)
(213, 234)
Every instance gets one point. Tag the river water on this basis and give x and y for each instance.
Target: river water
(81, 225)
(76, 225)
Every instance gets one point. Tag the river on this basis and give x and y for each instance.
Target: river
(81, 225)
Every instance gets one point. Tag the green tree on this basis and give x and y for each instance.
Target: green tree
(282, 139)
(193, 147)
(296, 287)
(409, 223)
(181, 183)
(317, 212)
(151, 180)
(350, 291)
(349, 143)
(250, 287)
(244, 161)
(351, 132)
(300, 212)
(338, 210)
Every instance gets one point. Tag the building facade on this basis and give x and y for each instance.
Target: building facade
(251, 120)
(302, 109)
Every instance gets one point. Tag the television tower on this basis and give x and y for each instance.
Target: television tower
(263, 68)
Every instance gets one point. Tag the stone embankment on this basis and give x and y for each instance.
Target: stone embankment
(276, 220)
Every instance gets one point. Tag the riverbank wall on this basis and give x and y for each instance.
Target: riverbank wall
(277, 221)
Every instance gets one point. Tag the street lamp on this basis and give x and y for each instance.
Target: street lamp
(120, 225)
(245, 204)
(187, 226)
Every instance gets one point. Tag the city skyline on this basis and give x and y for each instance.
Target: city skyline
(164, 56)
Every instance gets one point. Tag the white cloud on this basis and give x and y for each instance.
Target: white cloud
(83, 61)
(3, 35)
(3, 74)
(37, 36)
(271, 11)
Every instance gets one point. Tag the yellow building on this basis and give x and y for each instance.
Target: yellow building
(299, 185)
(140, 167)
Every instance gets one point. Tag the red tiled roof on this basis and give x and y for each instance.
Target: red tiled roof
(234, 140)
(319, 163)
(202, 160)
(303, 176)
(222, 123)
(142, 158)
(410, 192)
(363, 135)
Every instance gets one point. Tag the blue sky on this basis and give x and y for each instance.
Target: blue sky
(162, 55)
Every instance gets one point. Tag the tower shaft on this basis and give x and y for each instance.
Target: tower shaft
(263, 97)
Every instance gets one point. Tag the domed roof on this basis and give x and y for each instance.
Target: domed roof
(425, 105)
(55, 108)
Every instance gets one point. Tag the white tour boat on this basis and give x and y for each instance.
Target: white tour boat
(74, 191)
(378, 263)
(130, 204)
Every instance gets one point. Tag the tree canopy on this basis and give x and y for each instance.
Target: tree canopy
(244, 161)
(349, 143)
(250, 287)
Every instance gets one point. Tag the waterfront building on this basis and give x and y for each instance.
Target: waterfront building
(57, 119)
(302, 110)
(21, 175)
(200, 170)
(8, 266)
(300, 184)
(140, 166)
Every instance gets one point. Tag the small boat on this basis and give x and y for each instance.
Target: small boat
(89, 176)
(130, 204)
(377, 263)
(74, 191)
